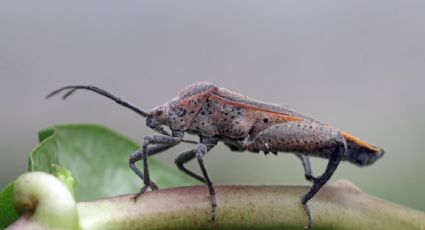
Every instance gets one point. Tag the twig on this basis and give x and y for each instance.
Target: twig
(337, 206)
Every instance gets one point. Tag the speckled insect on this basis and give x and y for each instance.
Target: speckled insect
(243, 124)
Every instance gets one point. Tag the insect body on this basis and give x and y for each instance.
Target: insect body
(243, 124)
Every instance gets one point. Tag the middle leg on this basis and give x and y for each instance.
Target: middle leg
(199, 152)
(190, 154)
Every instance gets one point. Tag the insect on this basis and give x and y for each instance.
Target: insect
(243, 124)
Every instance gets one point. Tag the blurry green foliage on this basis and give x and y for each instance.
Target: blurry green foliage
(91, 159)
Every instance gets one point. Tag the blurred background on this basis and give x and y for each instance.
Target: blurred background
(358, 65)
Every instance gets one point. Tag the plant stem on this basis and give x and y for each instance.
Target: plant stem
(337, 206)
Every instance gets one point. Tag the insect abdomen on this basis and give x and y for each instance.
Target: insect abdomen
(359, 152)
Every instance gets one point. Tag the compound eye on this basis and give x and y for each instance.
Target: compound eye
(159, 112)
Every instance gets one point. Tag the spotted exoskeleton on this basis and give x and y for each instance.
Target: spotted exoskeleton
(243, 124)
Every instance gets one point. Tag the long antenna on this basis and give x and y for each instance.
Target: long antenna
(73, 88)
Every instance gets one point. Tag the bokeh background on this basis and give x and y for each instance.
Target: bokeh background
(358, 65)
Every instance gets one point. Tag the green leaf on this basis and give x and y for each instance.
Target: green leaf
(8, 213)
(98, 159)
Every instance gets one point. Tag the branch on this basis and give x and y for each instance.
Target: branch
(337, 206)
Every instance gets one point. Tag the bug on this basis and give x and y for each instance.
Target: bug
(243, 124)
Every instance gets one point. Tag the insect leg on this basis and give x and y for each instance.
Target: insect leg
(303, 137)
(152, 144)
(201, 150)
(305, 160)
(185, 157)
(190, 154)
(334, 160)
(138, 155)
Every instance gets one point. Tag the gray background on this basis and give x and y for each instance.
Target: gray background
(358, 65)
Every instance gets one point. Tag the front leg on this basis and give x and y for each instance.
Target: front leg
(152, 144)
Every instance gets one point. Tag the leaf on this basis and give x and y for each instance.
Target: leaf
(8, 213)
(98, 159)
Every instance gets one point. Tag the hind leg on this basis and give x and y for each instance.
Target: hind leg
(308, 138)
(308, 173)
(318, 182)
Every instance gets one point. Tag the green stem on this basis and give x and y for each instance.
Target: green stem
(337, 206)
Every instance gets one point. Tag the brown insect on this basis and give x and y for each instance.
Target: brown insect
(243, 124)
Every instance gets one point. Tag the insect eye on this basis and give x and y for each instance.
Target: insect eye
(159, 112)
